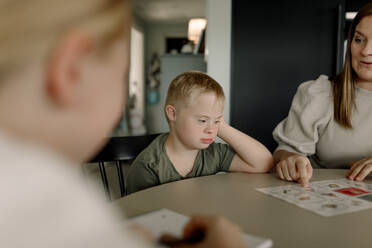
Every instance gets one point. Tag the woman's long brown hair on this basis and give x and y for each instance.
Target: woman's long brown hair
(343, 85)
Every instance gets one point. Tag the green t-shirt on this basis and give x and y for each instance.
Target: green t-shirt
(153, 167)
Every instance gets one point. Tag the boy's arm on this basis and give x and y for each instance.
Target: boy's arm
(251, 155)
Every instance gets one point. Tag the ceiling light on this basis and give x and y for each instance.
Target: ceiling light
(350, 15)
(196, 26)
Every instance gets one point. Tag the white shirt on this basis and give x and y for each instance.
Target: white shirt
(45, 202)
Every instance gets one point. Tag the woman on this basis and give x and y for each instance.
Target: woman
(63, 68)
(330, 120)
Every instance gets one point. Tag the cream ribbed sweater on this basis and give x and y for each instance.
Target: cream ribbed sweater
(310, 128)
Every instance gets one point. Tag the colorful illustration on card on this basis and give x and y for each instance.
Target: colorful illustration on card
(333, 186)
(352, 191)
(328, 197)
(331, 206)
(329, 194)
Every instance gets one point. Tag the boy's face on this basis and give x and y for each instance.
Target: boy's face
(197, 124)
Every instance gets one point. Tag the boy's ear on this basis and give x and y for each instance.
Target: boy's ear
(64, 68)
(170, 111)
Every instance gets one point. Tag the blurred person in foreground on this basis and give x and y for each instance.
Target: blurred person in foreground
(63, 71)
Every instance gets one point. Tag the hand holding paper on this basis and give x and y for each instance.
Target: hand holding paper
(208, 231)
(197, 231)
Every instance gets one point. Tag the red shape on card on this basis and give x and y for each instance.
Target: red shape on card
(352, 191)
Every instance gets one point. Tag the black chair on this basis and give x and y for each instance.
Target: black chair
(118, 150)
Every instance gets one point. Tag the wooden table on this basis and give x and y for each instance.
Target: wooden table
(234, 196)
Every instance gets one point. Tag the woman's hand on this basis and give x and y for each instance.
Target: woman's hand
(294, 167)
(360, 169)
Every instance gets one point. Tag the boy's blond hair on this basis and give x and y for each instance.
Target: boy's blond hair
(186, 87)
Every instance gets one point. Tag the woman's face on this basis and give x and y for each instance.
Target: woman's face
(361, 50)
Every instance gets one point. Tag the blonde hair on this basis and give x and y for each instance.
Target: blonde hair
(189, 85)
(30, 28)
(343, 85)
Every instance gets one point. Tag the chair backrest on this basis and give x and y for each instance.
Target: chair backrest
(123, 148)
(120, 149)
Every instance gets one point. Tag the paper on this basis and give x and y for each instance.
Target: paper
(327, 198)
(166, 221)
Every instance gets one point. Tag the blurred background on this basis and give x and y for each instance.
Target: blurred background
(170, 37)
(259, 51)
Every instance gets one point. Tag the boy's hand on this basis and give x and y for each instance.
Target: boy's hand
(221, 128)
(207, 231)
(360, 169)
(295, 168)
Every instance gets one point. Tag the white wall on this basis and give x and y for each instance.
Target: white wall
(139, 57)
(218, 44)
(136, 73)
(123, 129)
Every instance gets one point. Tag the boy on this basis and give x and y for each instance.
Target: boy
(193, 108)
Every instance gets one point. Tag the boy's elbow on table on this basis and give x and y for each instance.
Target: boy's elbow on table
(266, 164)
(263, 165)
